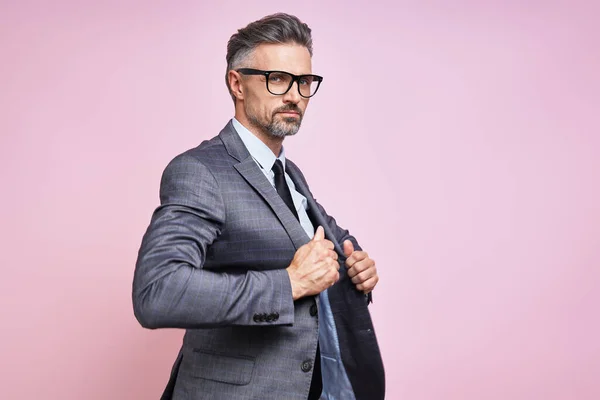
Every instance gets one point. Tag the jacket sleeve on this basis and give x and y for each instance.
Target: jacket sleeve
(170, 287)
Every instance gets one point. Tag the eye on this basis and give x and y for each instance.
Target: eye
(305, 80)
(276, 77)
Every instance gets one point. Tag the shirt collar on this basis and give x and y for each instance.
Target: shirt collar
(257, 149)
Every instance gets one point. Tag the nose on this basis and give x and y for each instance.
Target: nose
(293, 95)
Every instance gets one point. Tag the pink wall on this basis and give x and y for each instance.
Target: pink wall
(459, 141)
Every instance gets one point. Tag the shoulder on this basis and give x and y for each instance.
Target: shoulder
(210, 155)
(196, 166)
(207, 153)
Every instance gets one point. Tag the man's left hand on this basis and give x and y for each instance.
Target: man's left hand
(361, 268)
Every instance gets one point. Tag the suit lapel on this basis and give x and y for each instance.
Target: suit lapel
(256, 179)
(317, 218)
(313, 210)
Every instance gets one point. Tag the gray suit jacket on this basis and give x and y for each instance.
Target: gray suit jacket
(213, 260)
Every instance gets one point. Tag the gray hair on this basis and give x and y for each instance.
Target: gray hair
(277, 28)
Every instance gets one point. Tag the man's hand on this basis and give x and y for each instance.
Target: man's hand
(314, 267)
(361, 268)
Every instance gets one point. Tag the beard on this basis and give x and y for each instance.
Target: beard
(278, 127)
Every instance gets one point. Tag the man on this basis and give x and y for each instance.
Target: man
(273, 294)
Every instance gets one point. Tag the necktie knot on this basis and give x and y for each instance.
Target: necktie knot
(278, 168)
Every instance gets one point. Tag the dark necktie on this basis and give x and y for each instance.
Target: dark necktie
(282, 187)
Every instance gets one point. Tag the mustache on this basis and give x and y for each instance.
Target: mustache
(290, 107)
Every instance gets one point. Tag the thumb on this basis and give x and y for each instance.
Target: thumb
(319, 234)
(348, 248)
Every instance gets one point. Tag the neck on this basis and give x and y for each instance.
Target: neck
(272, 142)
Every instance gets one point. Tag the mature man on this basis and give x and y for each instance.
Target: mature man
(241, 255)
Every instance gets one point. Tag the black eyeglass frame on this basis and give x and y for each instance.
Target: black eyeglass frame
(295, 78)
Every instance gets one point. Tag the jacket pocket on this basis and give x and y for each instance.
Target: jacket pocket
(225, 368)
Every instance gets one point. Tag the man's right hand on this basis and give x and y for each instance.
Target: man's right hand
(314, 267)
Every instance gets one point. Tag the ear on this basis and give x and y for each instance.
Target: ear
(235, 83)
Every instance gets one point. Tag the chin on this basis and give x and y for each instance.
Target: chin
(281, 133)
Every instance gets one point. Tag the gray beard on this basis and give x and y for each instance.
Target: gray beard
(278, 129)
(282, 129)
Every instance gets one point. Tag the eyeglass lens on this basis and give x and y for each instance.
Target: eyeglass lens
(279, 83)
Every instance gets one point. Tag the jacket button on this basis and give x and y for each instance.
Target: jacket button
(256, 318)
(270, 317)
(306, 366)
(275, 316)
(313, 310)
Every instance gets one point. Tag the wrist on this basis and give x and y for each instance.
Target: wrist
(296, 289)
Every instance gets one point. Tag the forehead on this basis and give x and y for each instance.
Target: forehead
(292, 58)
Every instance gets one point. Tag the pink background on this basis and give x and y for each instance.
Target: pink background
(459, 141)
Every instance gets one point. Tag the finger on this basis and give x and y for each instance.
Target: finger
(359, 264)
(319, 234)
(324, 254)
(359, 255)
(328, 243)
(336, 277)
(330, 279)
(348, 248)
(369, 285)
(333, 255)
(362, 265)
(352, 272)
(325, 244)
(334, 264)
(350, 261)
(364, 276)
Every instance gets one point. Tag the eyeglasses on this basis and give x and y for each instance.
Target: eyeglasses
(280, 82)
